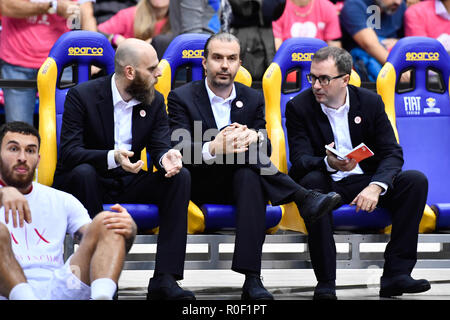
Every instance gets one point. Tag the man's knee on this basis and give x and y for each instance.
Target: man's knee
(99, 227)
(182, 178)
(245, 175)
(83, 172)
(416, 178)
(318, 180)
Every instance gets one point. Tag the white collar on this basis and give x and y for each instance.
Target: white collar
(212, 96)
(117, 98)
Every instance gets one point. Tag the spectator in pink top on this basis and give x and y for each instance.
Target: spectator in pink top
(29, 30)
(429, 19)
(144, 21)
(308, 18)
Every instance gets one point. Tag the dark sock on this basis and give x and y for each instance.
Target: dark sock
(331, 284)
(252, 275)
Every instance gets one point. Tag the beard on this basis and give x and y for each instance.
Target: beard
(141, 90)
(14, 180)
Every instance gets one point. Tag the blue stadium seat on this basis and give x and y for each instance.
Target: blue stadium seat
(187, 50)
(420, 114)
(295, 54)
(79, 49)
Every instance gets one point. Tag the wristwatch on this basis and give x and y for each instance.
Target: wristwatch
(260, 137)
(53, 7)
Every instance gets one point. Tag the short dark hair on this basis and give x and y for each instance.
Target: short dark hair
(19, 127)
(222, 36)
(341, 57)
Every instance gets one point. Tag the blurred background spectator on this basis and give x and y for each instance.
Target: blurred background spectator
(370, 29)
(251, 23)
(194, 16)
(29, 30)
(429, 19)
(308, 18)
(144, 21)
(105, 9)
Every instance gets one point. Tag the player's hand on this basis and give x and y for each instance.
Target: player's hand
(15, 202)
(121, 222)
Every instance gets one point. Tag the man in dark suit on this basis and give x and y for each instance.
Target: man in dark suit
(232, 166)
(340, 115)
(106, 124)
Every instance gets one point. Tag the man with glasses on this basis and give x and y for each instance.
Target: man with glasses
(337, 114)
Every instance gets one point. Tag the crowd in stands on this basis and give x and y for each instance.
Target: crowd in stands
(368, 29)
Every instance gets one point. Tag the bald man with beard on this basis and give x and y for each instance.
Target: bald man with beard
(106, 123)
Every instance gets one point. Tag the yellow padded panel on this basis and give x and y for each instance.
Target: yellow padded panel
(46, 82)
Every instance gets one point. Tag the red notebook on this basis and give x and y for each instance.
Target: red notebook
(359, 153)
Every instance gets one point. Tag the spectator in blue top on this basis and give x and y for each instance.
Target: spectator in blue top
(370, 30)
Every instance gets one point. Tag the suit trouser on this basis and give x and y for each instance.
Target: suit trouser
(170, 194)
(249, 191)
(405, 202)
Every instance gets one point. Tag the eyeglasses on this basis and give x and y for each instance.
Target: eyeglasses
(323, 80)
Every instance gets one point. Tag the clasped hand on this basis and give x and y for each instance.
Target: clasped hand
(235, 138)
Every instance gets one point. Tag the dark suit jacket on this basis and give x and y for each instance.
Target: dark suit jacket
(87, 132)
(309, 130)
(190, 103)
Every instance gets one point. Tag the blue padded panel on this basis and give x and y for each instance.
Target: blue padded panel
(426, 147)
(145, 215)
(187, 49)
(420, 53)
(423, 117)
(443, 215)
(81, 48)
(224, 216)
(346, 218)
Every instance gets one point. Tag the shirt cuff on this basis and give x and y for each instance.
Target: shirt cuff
(329, 169)
(384, 186)
(111, 162)
(205, 152)
(160, 160)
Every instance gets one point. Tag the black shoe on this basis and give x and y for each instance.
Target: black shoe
(253, 289)
(315, 205)
(325, 291)
(164, 287)
(398, 285)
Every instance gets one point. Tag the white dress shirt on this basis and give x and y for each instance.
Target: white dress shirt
(123, 112)
(221, 109)
(338, 119)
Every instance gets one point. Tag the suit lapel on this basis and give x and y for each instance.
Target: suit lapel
(105, 110)
(203, 105)
(322, 121)
(237, 114)
(355, 119)
(139, 125)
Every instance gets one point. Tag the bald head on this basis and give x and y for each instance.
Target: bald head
(130, 52)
